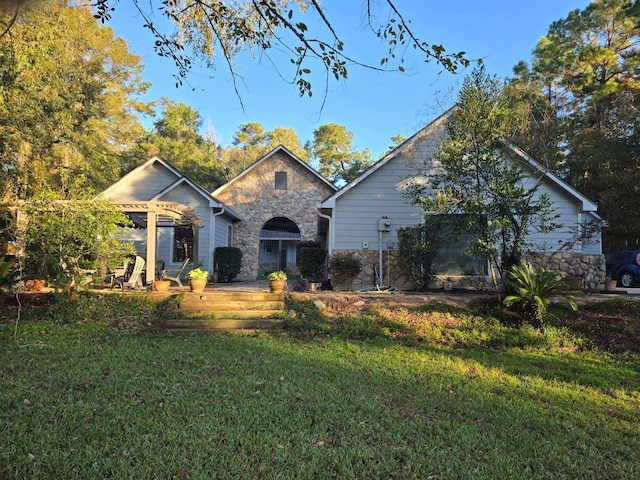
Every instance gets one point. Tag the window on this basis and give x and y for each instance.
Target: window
(182, 244)
(229, 235)
(281, 181)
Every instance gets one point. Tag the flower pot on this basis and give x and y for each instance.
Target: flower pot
(277, 286)
(34, 285)
(610, 285)
(197, 284)
(161, 286)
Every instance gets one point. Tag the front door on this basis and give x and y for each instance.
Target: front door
(283, 259)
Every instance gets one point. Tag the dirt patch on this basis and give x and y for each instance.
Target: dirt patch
(341, 303)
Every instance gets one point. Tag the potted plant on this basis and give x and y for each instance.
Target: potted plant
(277, 281)
(197, 279)
(609, 284)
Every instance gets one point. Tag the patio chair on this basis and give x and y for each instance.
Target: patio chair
(133, 279)
(174, 274)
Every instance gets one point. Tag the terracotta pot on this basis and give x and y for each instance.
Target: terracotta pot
(161, 286)
(34, 285)
(197, 284)
(610, 285)
(277, 286)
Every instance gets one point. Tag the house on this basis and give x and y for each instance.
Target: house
(280, 200)
(265, 211)
(277, 198)
(365, 215)
(175, 217)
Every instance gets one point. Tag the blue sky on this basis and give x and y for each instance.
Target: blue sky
(374, 106)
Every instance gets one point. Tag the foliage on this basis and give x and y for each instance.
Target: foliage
(251, 142)
(583, 80)
(344, 266)
(65, 237)
(418, 247)
(5, 267)
(228, 263)
(533, 291)
(198, 274)
(338, 159)
(312, 263)
(68, 103)
(482, 180)
(176, 138)
(277, 275)
(302, 28)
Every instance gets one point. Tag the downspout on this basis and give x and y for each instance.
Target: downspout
(329, 233)
(329, 242)
(212, 239)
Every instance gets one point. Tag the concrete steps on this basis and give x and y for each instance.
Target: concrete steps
(226, 310)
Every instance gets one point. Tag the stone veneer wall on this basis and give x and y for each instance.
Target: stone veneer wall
(256, 200)
(589, 267)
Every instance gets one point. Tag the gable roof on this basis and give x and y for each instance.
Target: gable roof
(329, 202)
(180, 179)
(280, 148)
(587, 204)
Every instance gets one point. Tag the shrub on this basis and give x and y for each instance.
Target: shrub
(312, 262)
(228, 263)
(532, 291)
(344, 267)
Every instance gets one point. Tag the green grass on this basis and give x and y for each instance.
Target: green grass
(385, 398)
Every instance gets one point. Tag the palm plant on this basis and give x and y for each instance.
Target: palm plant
(533, 291)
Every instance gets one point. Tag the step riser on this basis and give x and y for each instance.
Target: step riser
(224, 324)
(237, 314)
(222, 297)
(210, 306)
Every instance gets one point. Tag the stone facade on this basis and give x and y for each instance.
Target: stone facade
(253, 195)
(590, 268)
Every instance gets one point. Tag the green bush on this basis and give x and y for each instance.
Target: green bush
(532, 290)
(344, 267)
(228, 262)
(312, 260)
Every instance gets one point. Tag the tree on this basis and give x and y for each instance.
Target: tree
(302, 28)
(67, 103)
(480, 188)
(251, 142)
(585, 69)
(176, 137)
(338, 160)
(63, 237)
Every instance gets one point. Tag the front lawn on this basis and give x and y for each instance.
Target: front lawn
(88, 400)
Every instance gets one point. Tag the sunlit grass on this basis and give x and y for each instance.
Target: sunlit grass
(90, 401)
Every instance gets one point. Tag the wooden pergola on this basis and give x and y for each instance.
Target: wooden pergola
(158, 213)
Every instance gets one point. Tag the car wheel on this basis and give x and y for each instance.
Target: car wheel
(626, 280)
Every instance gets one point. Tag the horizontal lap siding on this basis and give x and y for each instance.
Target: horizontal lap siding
(185, 195)
(568, 209)
(358, 210)
(145, 185)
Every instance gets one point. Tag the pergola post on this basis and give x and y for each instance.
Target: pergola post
(152, 222)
